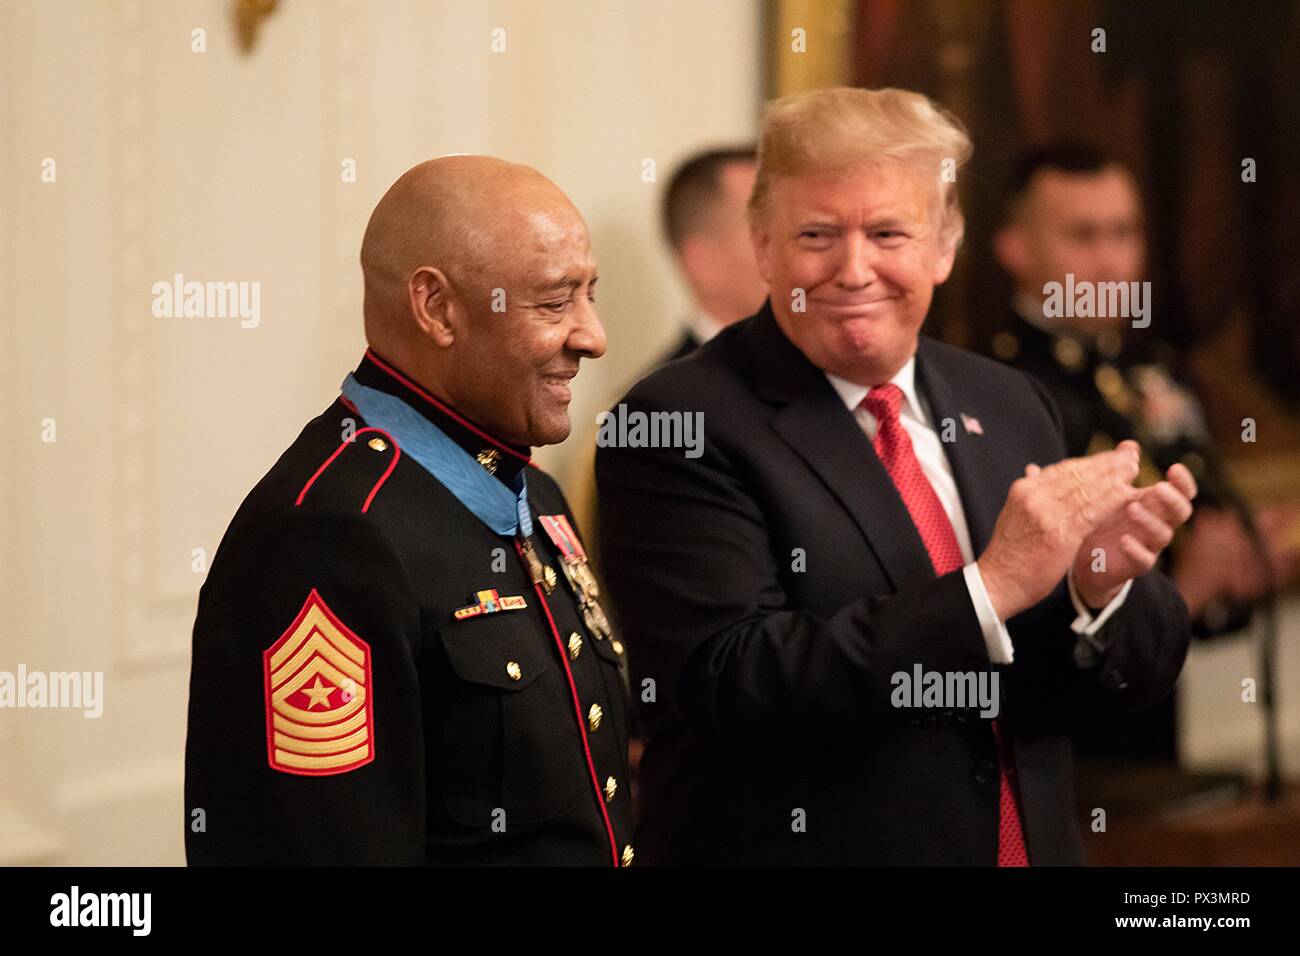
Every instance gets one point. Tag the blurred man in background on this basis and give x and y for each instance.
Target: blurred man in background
(1075, 212)
(707, 228)
(706, 225)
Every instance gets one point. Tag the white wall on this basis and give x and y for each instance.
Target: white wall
(227, 168)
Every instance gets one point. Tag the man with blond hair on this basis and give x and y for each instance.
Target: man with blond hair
(857, 613)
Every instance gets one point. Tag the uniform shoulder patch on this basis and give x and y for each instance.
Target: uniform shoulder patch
(319, 695)
(381, 452)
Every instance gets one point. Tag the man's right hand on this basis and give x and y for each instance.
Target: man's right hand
(1046, 516)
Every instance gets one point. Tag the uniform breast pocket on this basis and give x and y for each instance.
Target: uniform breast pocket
(510, 749)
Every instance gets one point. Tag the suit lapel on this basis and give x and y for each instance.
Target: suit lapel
(981, 479)
(815, 424)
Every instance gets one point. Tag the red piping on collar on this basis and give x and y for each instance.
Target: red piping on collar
(445, 409)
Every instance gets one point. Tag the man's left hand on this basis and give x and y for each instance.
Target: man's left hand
(1129, 543)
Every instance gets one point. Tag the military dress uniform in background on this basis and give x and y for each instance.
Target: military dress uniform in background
(1107, 392)
(400, 656)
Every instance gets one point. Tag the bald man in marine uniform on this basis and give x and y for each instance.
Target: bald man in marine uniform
(400, 656)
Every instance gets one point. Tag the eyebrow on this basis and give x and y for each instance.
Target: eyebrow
(564, 282)
(891, 221)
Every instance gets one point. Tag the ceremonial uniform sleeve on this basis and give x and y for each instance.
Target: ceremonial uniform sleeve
(689, 562)
(305, 741)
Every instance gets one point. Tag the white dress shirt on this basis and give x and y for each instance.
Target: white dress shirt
(928, 448)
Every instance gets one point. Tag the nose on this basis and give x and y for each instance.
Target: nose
(587, 336)
(857, 266)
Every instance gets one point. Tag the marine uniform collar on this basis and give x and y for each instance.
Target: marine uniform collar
(499, 458)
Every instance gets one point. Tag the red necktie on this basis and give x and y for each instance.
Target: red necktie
(894, 448)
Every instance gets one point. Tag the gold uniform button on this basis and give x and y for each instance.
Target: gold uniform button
(628, 853)
(611, 788)
(378, 444)
(575, 645)
(617, 645)
(594, 717)
(514, 670)
(548, 573)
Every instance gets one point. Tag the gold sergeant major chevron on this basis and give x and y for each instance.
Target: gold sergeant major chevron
(319, 709)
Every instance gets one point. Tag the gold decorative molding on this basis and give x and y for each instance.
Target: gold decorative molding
(826, 58)
(248, 16)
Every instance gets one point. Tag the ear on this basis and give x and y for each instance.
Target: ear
(433, 305)
(761, 237)
(943, 264)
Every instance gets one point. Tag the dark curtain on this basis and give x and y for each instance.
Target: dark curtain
(1185, 91)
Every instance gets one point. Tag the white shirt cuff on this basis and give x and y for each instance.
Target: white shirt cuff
(996, 637)
(1086, 623)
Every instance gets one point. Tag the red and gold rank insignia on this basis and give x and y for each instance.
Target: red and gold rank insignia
(489, 602)
(319, 709)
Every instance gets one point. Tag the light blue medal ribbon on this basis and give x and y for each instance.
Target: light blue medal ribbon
(501, 509)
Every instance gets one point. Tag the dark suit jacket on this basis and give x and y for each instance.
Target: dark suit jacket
(765, 689)
(683, 346)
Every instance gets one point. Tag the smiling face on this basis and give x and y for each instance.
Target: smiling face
(527, 319)
(865, 248)
(479, 282)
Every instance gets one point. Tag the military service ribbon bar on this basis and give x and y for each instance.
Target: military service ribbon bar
(561, 533)
(489, 602)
